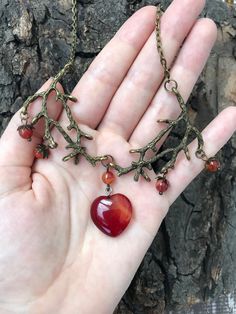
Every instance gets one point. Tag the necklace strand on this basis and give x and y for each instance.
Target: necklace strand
(139, 166)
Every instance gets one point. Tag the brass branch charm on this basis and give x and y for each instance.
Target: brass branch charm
(75, 145)
(141, 164)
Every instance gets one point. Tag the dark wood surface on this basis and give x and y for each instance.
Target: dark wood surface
(225, 304)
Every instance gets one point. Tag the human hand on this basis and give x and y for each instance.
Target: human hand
(53, 259)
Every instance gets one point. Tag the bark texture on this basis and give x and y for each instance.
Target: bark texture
(193, 257)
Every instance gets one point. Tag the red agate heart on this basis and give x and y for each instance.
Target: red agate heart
(111, 214)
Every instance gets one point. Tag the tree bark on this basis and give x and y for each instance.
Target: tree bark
(193, 257)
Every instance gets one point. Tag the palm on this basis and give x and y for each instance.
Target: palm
(50, 245)
(53, 236)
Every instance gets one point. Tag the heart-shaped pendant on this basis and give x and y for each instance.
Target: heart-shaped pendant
(111, 214)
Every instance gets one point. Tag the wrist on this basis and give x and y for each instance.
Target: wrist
(79, 301)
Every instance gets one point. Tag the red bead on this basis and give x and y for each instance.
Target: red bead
(38, 154)
(162, 185)
(25, 131)
(41, 151)
(108, 177)
(111, 214)
(212, 165)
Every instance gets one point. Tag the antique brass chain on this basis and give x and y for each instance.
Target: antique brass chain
(71, 60)
(159, 44)
(170, 85)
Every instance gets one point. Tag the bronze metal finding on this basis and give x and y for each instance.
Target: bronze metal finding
(141, 164)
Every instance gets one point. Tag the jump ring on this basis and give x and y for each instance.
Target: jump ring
(108, 190)
(24, 117)
(108, 159)
(170, 88)
(200, 154)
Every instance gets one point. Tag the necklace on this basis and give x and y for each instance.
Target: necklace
(112, 213)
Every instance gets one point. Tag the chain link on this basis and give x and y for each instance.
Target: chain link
(69, 64)
(71, 60)
(74, 31)
(159, 44)
(24, 116)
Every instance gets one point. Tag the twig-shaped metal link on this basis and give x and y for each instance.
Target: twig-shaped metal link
(143, 164)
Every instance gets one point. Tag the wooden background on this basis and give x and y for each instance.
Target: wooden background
(193, 258)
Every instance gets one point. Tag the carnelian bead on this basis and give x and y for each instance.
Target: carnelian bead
(25, 131)
(162, 185)
(41, 151)
(108, 177)
(212, 165)
(38, 155)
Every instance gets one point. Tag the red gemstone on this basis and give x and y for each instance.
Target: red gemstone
(162, 185)
(41, 151)
(25, 131)
(212, 165)
(108, 177)
(111, 214)
(38, 155)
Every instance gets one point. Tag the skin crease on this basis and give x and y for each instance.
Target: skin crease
(52, 257)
